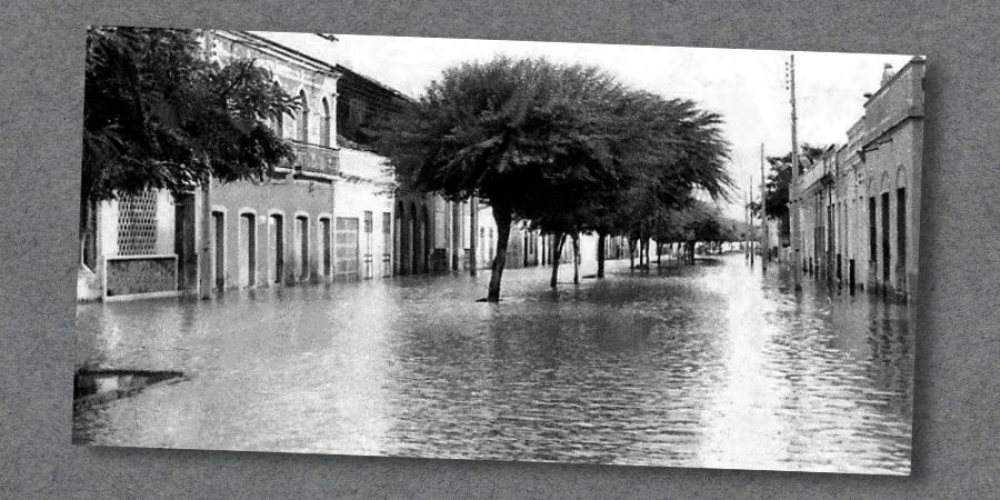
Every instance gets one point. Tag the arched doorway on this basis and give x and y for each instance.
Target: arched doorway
(399, 241)
(425, 238)
(885, 229)
(248, 250)
(275, 248)
(413, 263)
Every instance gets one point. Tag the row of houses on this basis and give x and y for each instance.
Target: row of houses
(333, 214)
(859, 203)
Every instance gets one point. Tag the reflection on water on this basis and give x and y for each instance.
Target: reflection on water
(709, 365)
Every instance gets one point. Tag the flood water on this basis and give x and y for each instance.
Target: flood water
(712, 365)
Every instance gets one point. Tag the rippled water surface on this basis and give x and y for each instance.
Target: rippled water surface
(701, 366)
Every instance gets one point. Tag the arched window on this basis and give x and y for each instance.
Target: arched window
(278, 124)
(324, 126)
(277, 121)
(303, 132)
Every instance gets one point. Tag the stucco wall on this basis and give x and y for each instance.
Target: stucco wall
(287, 198)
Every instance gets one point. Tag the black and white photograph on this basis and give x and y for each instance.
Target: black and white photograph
(474, 249)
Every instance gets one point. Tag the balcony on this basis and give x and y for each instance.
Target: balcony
(313, 160)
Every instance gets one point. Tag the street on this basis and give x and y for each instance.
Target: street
(710, 365)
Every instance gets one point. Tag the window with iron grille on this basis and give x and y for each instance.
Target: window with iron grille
(137, 224)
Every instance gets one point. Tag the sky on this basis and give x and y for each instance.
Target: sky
(746, 87)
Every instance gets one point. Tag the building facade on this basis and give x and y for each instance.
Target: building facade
(322, 217)
(859, 204)
(279, 232)
(334, 213)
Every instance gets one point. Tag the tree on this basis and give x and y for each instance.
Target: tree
(158, 114)
(667, 149)
(528, 137)
(778, 181)
(780, 177)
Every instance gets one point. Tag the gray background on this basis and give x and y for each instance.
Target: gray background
(955, 430)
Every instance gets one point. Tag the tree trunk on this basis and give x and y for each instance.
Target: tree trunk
(559, 239)
(503, 220)
(576, 258)
(631, 253)
(659, 251)
(601, 238)
(643, 255)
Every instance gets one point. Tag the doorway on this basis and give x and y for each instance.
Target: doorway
(219, 244)
(885, 239)
(275, 248)
(248, 250)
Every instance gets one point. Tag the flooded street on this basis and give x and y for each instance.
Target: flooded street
(712, 365)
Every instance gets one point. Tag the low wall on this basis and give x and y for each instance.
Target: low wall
(140, 275)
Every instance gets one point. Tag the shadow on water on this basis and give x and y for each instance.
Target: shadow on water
(95, 387)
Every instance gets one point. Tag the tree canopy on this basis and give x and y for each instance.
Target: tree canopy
(158, 114)
(566, 147)
(684, 152)
(528, 137)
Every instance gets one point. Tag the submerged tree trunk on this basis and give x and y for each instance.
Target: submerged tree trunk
(601, 238)
(503, 219)
(642, 254)
(576, 258)
(638, 246)
(556, 254)
(659, 252)
(631, 253)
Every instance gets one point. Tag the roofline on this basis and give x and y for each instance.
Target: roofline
(344, 70)
(909, 64)
(285, 50)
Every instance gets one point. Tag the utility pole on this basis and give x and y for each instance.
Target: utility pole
(793, 208)
(746, 227)
(205, 261)
(765, 244)
(206, 267)
(750, 226)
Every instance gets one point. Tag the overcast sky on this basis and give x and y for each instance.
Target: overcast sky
(747, 87)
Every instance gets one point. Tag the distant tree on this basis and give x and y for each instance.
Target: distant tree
(528, 137)
(705, 223)
(780, 178)
(697, 221)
